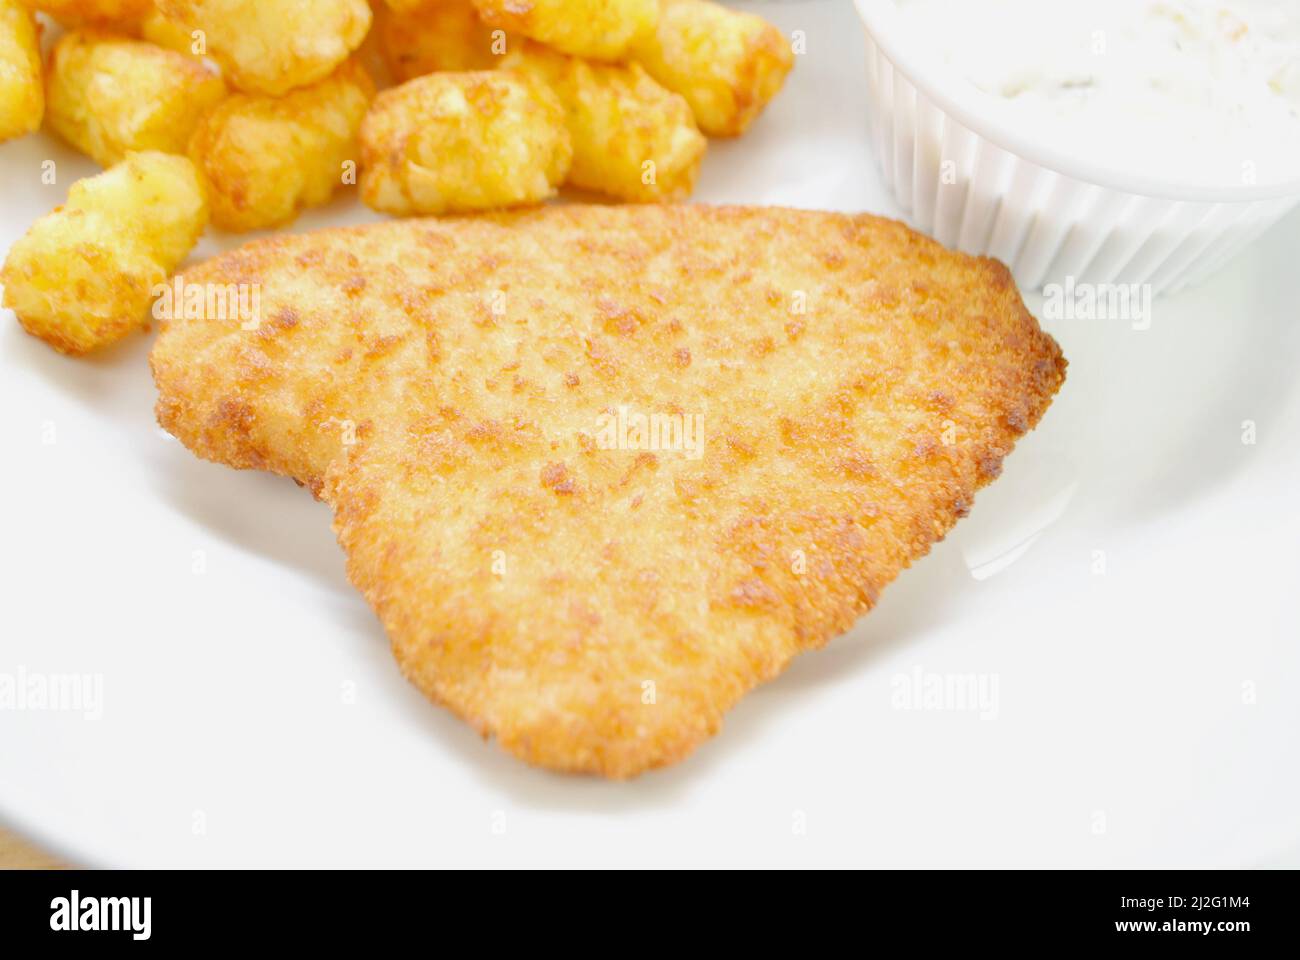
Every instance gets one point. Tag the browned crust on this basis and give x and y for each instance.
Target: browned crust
(852, 435)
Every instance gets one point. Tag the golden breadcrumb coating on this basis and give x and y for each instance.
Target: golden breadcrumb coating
(599, 29)
(109, 96)
(272, 46)
(437, 35)
(461, 142)
(264, 159)
(84, 275)
(22, 97)
(447, 386)
(632, 139)
(726, 63)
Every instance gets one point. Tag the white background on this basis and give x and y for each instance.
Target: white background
(215, 608)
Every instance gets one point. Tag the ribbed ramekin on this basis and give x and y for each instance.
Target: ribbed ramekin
(983, 187)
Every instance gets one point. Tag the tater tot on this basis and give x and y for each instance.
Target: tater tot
(439, 35)
(22, 99)
(84, 275)
(171, 34)
(266, 158)
(632, 139)
(109, 96)
(80, 13)
(727, 64)
(451, 142)
(599, 29)
(272, 46)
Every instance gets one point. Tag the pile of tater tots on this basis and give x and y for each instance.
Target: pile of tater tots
(244, 112)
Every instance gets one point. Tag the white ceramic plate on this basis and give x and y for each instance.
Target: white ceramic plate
(1127, 590)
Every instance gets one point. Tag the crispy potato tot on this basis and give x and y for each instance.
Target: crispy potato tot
(273, 46)
(453, 142)
(109, 96)
(632, 139)
(84, 275)
(81, 13)
(22, 98)
(440, 35)
(266, 158)
(171, 34)
(599, 29)
(727, 64)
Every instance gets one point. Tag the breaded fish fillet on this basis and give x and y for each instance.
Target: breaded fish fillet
(601, 470)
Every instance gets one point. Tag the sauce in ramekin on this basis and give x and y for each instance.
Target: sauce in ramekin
(1188, 90)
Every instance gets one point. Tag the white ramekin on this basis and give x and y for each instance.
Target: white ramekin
(981, 186)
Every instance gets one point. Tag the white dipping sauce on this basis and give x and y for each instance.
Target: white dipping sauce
(1187, 91)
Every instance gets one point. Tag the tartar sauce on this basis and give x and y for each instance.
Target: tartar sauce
(1186, 91)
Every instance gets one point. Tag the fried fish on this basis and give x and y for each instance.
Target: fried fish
(602, 470)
